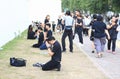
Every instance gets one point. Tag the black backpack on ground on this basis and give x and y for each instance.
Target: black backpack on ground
(17, 62)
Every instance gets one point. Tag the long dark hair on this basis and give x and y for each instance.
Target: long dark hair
(30, 28)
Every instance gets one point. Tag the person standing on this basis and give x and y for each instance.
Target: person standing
(100, 31)
(112, 29)
(68, 21)
(79, 28)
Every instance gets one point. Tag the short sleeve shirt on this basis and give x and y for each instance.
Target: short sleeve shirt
(99, 29)
(57, 52)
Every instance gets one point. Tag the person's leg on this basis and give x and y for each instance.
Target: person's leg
(51, 65)
(113, 45)
(70, 36)
(103, 42)
(79, 32)
(63, 40)
(109, 45)
(43, 46)
(36, 45)
(97, 46)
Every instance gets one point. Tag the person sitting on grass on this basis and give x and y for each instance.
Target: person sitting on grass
(40, 38)
(31, 33)
(54, 50)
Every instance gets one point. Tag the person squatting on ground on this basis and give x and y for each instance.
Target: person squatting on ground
(113, 31)
(68, 21)
(100, 31)
(54, 50)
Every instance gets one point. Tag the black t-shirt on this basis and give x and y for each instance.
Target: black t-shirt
(31, 35)
(49, 33)
(112, 31)
(46, 21)
(99, 29)
(41, 38)
(78, 26)
(56, 49)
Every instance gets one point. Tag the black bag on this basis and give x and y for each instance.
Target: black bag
(18, 62)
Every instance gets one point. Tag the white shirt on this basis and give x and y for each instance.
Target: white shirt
(68, 20)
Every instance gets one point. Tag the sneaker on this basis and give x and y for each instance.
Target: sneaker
(109, 51)
(37, 65)
(114, 52)
(93, 51)
(63, 50)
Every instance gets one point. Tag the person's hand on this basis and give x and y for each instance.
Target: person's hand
(47, 44)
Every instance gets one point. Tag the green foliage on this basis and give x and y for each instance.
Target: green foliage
(94, 6)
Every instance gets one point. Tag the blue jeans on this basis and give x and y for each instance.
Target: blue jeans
(43, 46)
(100, 44)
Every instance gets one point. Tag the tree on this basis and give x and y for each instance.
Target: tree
(94, 6)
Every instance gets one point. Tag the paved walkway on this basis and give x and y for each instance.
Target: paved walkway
(109, 64)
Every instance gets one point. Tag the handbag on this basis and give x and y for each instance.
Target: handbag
(17, 62)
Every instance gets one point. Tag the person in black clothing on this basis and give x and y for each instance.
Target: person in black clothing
(91, 32)
(68, 21)
(54, 50)
(31, 33)
(112, 29)
(46, 35)
(79, 28)
(53, 26)
(40, 39)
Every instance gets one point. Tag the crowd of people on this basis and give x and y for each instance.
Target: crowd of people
(72, 24)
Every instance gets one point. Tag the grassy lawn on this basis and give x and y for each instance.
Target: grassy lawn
(74, 65)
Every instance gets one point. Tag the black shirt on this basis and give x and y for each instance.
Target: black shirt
(31, 35)
(46, 21)
(112, 31)
(56, 49)
(41, 38)
(49, 33)
(99, 29)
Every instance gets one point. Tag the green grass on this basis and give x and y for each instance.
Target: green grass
(10, 46)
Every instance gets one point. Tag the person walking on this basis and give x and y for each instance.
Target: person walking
(112, 29)
(68, 21)
(100, 31)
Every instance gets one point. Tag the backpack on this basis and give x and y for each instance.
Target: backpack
(17, 62)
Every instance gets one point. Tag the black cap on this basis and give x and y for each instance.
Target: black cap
(50, 38)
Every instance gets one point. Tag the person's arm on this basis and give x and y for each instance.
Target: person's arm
(107, 33)
(49, 49)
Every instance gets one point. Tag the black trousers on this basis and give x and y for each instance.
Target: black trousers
(52, 64)
(113, 44)
(68, 33)
(79, 32)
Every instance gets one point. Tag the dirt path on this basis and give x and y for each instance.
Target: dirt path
(74, 65)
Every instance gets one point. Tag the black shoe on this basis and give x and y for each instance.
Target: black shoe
(58, 67)
(63, 50)
(71, 51)
(93, 51)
